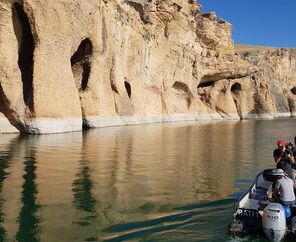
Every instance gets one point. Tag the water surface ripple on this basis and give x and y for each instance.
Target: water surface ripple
(156, 182)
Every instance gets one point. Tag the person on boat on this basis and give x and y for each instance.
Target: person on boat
(284, 189)
(284, 159)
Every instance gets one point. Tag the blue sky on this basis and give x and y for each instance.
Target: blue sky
(258, 22)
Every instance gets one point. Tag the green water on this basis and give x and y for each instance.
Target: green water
(160, 182)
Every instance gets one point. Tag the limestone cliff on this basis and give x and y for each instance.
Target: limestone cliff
(68, 64)
(272, 88)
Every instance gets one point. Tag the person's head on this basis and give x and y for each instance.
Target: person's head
(279, 173)
(281, 144)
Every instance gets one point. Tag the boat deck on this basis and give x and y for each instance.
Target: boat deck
(258, 194)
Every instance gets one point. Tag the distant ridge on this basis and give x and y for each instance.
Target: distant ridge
(253, 47)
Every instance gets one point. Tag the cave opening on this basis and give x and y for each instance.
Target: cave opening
(182, 87)
(81, 64)
(206, 84)
(236, 87)
(293, 90)
(128, 88)
(26, 47)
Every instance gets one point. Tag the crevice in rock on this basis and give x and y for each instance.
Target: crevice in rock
(81, 64)
(224, 75)
(205, 84)
(182, 87)
(113, 84)
(236, 87)
(26, 47)
(293, 90)
(81, 68)
(113, 78)
(128, 88)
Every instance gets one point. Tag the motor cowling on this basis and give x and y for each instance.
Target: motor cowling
(274, 222)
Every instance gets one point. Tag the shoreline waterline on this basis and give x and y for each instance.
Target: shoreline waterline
(52, 126)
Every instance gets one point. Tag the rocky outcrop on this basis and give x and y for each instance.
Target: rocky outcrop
(266, 93)
(272, 87)
(68, 64)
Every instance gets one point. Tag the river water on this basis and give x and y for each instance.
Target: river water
(156, 182)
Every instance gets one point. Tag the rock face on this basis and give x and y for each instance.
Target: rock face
(68, 64)
(272, 87)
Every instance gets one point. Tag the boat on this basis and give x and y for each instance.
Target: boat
(256, 211)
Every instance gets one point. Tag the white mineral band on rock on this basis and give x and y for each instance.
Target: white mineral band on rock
(265, 115)
(49, 126)
(96, 121)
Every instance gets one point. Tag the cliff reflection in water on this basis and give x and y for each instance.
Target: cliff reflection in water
(28, 219)
(73, 187)
(18, 213)
(5, 159)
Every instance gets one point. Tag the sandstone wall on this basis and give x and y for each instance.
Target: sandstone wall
(272, 87)
(68, 64)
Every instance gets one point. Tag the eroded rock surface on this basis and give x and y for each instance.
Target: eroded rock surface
(68, 64)
(272, 88)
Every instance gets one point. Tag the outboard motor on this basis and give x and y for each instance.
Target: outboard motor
(274, 222)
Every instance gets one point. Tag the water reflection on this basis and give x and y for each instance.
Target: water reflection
(156, 182)
(82, 189)
(5, 160)
(83, 197)
(28, 219)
